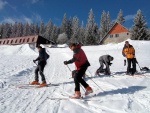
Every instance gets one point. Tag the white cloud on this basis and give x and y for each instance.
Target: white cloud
(34, 1)
(27, 20)
(12, 20)
(34, 18)
(129, 17)
(2, 4)
(8, 20)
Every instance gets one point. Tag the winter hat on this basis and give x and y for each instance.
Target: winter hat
(126, 42)
(72, 44)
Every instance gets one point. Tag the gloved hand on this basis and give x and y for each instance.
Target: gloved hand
(34, 61)
(65, 62)
(124, 62)
(74, 73)
(136, 60)
(110, 64)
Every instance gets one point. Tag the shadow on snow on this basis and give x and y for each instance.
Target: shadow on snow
(129, 90)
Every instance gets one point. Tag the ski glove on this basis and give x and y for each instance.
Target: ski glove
(124, 62)
(65, 62)
(34, 61)
(110, 64)
(74, 72)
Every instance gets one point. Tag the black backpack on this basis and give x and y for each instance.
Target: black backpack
(46, 55)
(145, 69)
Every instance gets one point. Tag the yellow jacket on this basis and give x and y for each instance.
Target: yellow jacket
(129, 52)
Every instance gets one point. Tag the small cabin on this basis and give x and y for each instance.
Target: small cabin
(118, 33)
(31, 40)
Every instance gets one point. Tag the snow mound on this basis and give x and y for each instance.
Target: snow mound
(23, 49)
(62, 46)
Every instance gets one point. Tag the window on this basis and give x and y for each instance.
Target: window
(0, 42)
(11, 41)
(28, 39)
(8, 42)
(23, 40)
(33, 39)
(20, 40)
(16, 41)
(117, 35)
(4, 42)
(127, 33)
(111, 36)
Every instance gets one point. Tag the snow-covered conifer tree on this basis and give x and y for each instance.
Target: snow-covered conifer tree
(120, 18)
(139, 30)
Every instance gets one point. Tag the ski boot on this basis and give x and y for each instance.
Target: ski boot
(77, 95)
(44, 84)
(35, 83)
(88, 90)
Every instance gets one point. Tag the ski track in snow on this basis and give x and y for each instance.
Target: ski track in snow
(117, 94)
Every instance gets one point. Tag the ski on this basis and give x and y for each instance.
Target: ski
(69, 98)
(29, 86)
(84, 97)
(58, 98)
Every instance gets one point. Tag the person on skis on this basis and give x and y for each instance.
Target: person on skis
(129, 52)
(81, 63)
(43, 56)
(105, 59)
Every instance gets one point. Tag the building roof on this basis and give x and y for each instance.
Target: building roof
(113, 30)
(24, 40)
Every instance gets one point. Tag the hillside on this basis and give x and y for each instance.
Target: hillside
(117, 94)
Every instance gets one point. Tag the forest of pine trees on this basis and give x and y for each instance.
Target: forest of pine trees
(72, 30)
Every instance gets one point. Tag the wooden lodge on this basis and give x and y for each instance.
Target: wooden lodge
(118, 33)
(34, 40)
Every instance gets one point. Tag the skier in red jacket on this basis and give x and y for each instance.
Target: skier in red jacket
(81, 63)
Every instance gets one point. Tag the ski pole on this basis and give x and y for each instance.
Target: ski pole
(76, 79)
(138, 64)
(95, 82)
(139, 67)
(69, 68)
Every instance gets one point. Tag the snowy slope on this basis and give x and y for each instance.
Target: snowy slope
(118, 94)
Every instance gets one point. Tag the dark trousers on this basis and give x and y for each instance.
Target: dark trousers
(101, 66)
(40, 69)
(78, 79)
(133, 69)
(107, 70)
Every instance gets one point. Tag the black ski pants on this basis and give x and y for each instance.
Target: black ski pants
(102, 67)
(39, 69)
(133, 62)
(78, 79)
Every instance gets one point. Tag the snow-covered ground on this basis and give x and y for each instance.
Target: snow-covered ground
(117, 94)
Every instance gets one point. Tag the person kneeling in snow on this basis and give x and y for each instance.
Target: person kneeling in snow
(105, 59)
(43, 56)
(82, 63)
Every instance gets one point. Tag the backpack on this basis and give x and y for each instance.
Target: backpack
(145, 69)
(46, 55)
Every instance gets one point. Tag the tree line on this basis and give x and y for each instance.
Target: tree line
(72, 30)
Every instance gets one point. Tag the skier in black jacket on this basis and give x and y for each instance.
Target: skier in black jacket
(43, 56)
